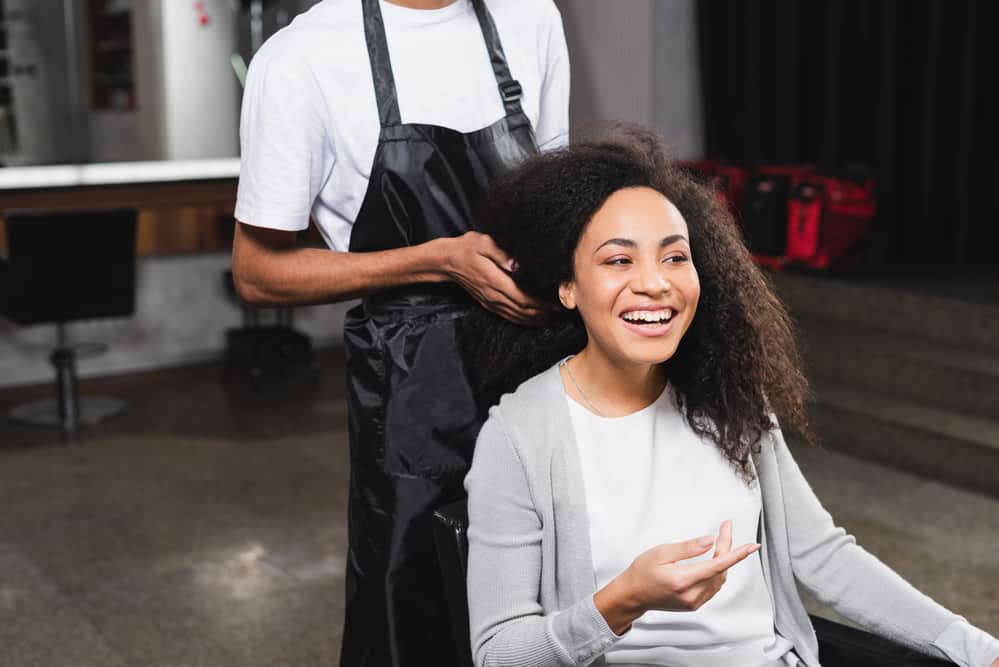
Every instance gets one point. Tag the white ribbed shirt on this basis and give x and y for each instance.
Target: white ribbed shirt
(651, 480)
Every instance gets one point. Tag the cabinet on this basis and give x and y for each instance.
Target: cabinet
(112, 68)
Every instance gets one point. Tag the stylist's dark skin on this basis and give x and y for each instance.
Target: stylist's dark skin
(270, 271)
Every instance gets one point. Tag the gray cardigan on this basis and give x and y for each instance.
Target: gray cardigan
(530, 573)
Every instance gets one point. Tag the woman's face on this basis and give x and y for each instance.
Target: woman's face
(635, 284)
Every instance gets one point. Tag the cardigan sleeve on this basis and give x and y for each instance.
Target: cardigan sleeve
(828, 562)
(967, 645)
(507, 624)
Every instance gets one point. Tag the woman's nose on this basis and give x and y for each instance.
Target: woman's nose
(651, 280)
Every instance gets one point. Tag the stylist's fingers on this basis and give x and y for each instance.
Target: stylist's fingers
(507, 299)
(724, 542)
(486, 247)
(501, 304)
(507, 265)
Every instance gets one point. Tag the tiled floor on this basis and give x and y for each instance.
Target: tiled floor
(206, 527)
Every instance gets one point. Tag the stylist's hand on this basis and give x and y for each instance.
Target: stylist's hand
(474, 261)
(658, 580)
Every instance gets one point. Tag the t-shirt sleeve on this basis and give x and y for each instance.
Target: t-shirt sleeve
(553, 121)
(286, 154)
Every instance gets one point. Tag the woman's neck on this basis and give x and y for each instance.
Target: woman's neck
(613, 390)
(422, 4)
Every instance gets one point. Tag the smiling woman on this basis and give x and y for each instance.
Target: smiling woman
(596, 216)
(638, 429)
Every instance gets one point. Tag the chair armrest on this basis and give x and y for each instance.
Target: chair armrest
(843, 646)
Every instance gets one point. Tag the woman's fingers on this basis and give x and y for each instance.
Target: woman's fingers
(721, 563)
(724, 543)
(670, 584)
(668, 554)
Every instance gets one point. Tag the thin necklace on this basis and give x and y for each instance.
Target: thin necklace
(580, 390)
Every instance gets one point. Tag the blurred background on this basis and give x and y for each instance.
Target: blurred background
(173, 464)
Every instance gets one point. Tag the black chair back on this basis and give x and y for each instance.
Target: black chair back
(451, 538)
(839, 645)
(69, 266)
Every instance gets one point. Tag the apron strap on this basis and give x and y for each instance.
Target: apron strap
(381, 65)
(509, 88)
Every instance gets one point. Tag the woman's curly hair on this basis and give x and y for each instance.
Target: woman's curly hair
(738, 361)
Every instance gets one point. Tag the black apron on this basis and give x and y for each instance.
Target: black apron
(412, 416)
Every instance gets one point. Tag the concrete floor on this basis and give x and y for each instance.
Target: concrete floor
(206, 527)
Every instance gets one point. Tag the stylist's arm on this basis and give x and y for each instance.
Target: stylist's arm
(269, 271)
(657, 580)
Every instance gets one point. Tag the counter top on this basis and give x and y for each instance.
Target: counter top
(117, 173)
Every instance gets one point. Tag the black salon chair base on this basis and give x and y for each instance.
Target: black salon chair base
(839, 645)
(69, 409)
(47, 413)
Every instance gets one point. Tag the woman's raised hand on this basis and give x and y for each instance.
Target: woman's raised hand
(658, 579)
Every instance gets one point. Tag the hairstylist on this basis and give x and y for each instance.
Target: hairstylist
(385, 121)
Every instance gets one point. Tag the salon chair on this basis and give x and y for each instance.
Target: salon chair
(839, 645)
(64, 267)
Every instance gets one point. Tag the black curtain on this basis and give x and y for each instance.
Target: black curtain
(906, 87)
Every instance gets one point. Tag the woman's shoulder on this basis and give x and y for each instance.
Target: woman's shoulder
(533, 399)
(524, 416)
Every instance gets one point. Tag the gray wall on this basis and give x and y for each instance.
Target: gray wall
(636, 60)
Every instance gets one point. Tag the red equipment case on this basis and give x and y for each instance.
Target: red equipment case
(829, 218)
(794, 214)
(765, 214)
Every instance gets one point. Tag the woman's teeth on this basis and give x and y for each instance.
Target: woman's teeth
(649, 316)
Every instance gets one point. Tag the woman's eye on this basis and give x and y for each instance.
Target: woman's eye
(675, 259)
(618, 261)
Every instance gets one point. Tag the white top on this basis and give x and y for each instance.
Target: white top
(310, 126)
(117, 173)
(651, 480)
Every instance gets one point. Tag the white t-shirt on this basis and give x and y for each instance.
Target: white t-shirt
(651, 480)
(309, 124)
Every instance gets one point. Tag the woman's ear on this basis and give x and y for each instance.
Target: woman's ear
(567, 294)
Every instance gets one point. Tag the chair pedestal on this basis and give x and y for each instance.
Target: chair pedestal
(68, 410)
(48, 413)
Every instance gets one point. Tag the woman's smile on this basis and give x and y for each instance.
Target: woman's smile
(649, 320)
